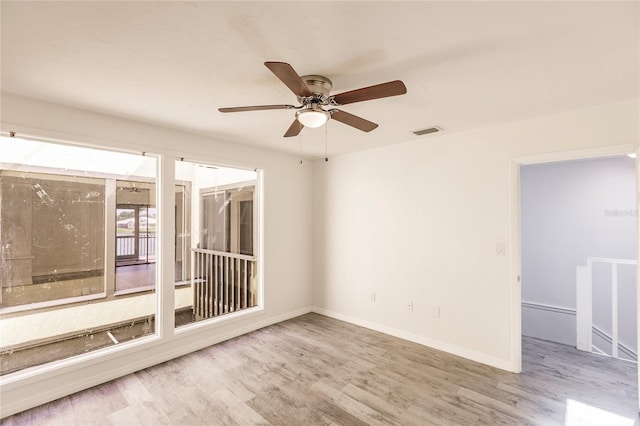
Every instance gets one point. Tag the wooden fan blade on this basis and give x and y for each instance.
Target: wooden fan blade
(294, 129)
(289, 77)
(384, 90)
(255, 108)
(353, 120)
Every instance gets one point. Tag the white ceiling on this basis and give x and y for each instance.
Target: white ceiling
(465, 64)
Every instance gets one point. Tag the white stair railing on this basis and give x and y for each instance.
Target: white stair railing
(584, 304)
(223, 282)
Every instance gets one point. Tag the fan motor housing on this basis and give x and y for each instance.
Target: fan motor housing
(318, 85)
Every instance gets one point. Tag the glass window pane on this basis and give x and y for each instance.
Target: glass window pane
(52, 230)
(183, 235)
(221, 245)
(135, 236)
(215, 221)
(61, 213)
(246, 227)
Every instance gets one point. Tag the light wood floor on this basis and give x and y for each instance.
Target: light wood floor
(316, 370)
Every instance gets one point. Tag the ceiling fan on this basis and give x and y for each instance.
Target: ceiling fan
(312, 92)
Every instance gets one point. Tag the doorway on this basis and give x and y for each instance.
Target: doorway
(136, 233)
(135, 239)
(577, 221)
(516, 261)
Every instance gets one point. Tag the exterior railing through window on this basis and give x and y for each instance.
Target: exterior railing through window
(126, 245)
(223, 283)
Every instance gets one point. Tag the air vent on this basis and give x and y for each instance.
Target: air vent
(433, 129)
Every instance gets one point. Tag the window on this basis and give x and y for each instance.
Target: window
(227, 218)
(70, 218)
(182, 237)
(245, 226)
(78, 248)
(136, 225)
(52, 232)
(223, 242)
(135, 236)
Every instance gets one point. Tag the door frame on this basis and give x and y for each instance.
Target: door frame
(137, 208)
(136, 232)
(515, 254)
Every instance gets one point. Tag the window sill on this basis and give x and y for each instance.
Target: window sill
(148, 289)
(135, 291)
(193, 326)
(51, 303)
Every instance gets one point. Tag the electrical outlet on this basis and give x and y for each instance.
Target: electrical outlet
(500, 249)
(410, 305)
(373, 297)
(436, 311)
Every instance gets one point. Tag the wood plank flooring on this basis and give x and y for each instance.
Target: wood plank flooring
(314, 370)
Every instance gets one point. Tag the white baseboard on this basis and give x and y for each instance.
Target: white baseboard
(425, 341)
(35, 390)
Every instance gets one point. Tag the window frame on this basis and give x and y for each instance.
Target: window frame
(30, 171)
(165, 333)
(109, 263)
(108, 280)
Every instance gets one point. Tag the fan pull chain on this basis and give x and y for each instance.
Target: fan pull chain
(326, 157)
(300, 142)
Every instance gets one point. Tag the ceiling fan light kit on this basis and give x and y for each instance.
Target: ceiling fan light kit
(312, 92)
(312, 116)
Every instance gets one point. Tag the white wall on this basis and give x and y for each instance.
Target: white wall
(565, 219)
(287, 241)
(420, 221)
